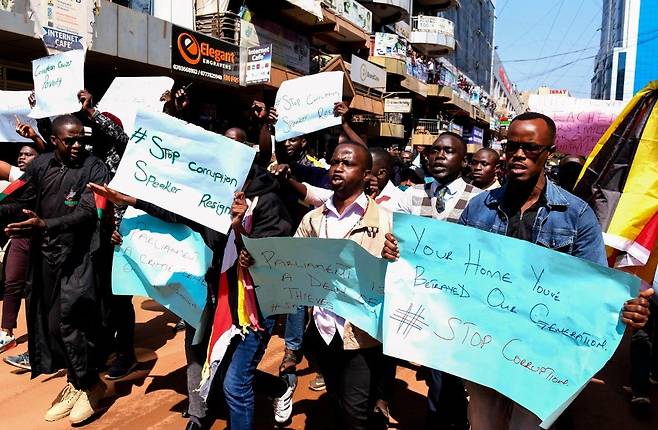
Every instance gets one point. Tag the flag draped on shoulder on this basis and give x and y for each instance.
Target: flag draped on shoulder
(620, 182)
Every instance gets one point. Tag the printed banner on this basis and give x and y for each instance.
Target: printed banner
(183, 168)
(545, 321)
(259, 65)
(197, 55)
(580, 122)
(289, 49)
(14, 104)
(390, 45)
(127, 94)
(64, 25)
(306, 104)
(57, 81)
(163, 261)
(335, 274)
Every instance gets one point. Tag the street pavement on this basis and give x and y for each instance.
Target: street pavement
(153, 397)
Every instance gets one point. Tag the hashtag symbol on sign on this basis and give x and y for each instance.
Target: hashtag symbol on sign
(138, 135)
(409, 319)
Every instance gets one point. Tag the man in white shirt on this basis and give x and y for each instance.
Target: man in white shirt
(9, 173)
(483, 169)
(385, 193)
(350, 359)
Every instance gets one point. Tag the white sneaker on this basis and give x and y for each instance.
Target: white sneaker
(6, 341)
(283, 404)
(63, 403)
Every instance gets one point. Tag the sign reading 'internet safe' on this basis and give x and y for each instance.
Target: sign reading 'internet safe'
(196, 55)
(183, 168)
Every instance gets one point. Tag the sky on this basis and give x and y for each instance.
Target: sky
(531, 29)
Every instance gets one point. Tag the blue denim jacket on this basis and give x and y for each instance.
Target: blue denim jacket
(564, 223)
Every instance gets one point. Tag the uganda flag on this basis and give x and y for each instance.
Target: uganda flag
(620, 182)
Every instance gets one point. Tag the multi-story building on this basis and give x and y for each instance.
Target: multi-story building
(503, 93)
(474, 32)
(626, 60)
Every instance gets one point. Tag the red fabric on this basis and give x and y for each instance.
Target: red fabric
(648, 235)
(114, 118)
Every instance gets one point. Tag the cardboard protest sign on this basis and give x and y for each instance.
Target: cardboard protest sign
(479, 298)
(466, 303)
(183, 168)
(14, 104)
(57, 81)
(580, 123)
(127, 94)
(163, 261)
(336, 274)
(306, 104)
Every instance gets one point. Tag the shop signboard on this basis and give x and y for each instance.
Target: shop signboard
(390, 45)
(289, 49)
(456, 128)
(396, 104)
(475, 135)
(6, 5)
(64, 25)
(435, 24)
(259, 65)
(356, 13)
(368, 74)
(198, 56)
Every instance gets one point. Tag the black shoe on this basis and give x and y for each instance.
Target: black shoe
(180, 325)
(191, 425)
(121, 367)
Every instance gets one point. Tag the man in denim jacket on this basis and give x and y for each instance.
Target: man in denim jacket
(530, 207)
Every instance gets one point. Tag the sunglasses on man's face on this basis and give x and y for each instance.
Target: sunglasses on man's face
(69, 141)
(531, 149)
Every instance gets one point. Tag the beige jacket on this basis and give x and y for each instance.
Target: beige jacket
(369, 232)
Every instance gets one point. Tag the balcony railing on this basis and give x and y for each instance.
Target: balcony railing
(224, 26)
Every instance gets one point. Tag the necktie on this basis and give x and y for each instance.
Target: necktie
(440, 199)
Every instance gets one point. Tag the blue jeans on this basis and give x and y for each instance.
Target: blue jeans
(238, 381)
(295, 329)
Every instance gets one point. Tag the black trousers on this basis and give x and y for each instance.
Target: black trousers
(122, 324)
(52, 353)
(352, 377)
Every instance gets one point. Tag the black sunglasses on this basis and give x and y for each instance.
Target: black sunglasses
(528, 148)
(69, 141)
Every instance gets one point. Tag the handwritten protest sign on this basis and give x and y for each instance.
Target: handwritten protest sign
(14, 104)
(183, 168)
(306, 104)
(580, 122)
(335, 274)
(127, 94)
(496, 310)
(57, 81)
(163, 261)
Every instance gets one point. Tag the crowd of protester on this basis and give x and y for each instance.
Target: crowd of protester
(62, 237)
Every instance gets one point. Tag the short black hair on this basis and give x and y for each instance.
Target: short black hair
(456, 136)
(490, 151)
(362, 149)
(63, 120)
(381, 153)
(530, 116)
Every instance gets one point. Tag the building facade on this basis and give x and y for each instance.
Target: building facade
(474, 33)
(626, 61)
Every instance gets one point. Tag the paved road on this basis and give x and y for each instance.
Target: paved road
(153, 397)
